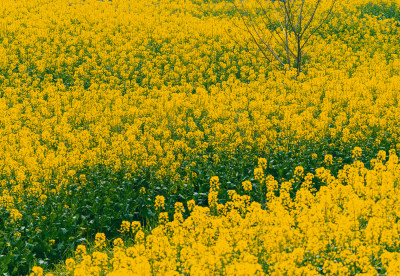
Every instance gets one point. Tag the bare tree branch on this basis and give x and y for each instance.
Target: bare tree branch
(240, 45)
(254, 39)
(300, 16)
(270, 49)
(311, 18)
(284, 43)
(290, 15)
(323, 22)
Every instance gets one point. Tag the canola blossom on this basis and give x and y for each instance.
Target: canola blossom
(131, 129)
(350, 226)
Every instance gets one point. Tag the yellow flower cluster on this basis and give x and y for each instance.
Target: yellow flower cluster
(100, 240)
(351, 225)
(247, 186)
(86, 83)
(15, 215)
(143, 86)
(160, 202)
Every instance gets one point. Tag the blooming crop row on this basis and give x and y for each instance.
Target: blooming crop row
(105, 105)
(350, 226)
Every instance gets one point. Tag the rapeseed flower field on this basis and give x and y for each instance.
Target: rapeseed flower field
(152, 138)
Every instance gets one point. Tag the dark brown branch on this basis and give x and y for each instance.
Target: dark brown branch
(285, 44)
(267, 36)
(323, 22)
(288, 13)
(311, 18)
(238, 44)
(300, 16)
(270, 49)
(252, 36)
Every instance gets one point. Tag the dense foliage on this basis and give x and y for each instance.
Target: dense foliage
(116, 111)
(350, 226)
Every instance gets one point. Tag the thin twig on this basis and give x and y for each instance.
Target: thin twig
(269, 40)
(264, 42)
(300, 16)
(238, 44)
(271, 22)
(323, 22)
(311, 18)
(252, 36)
(288, 13)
